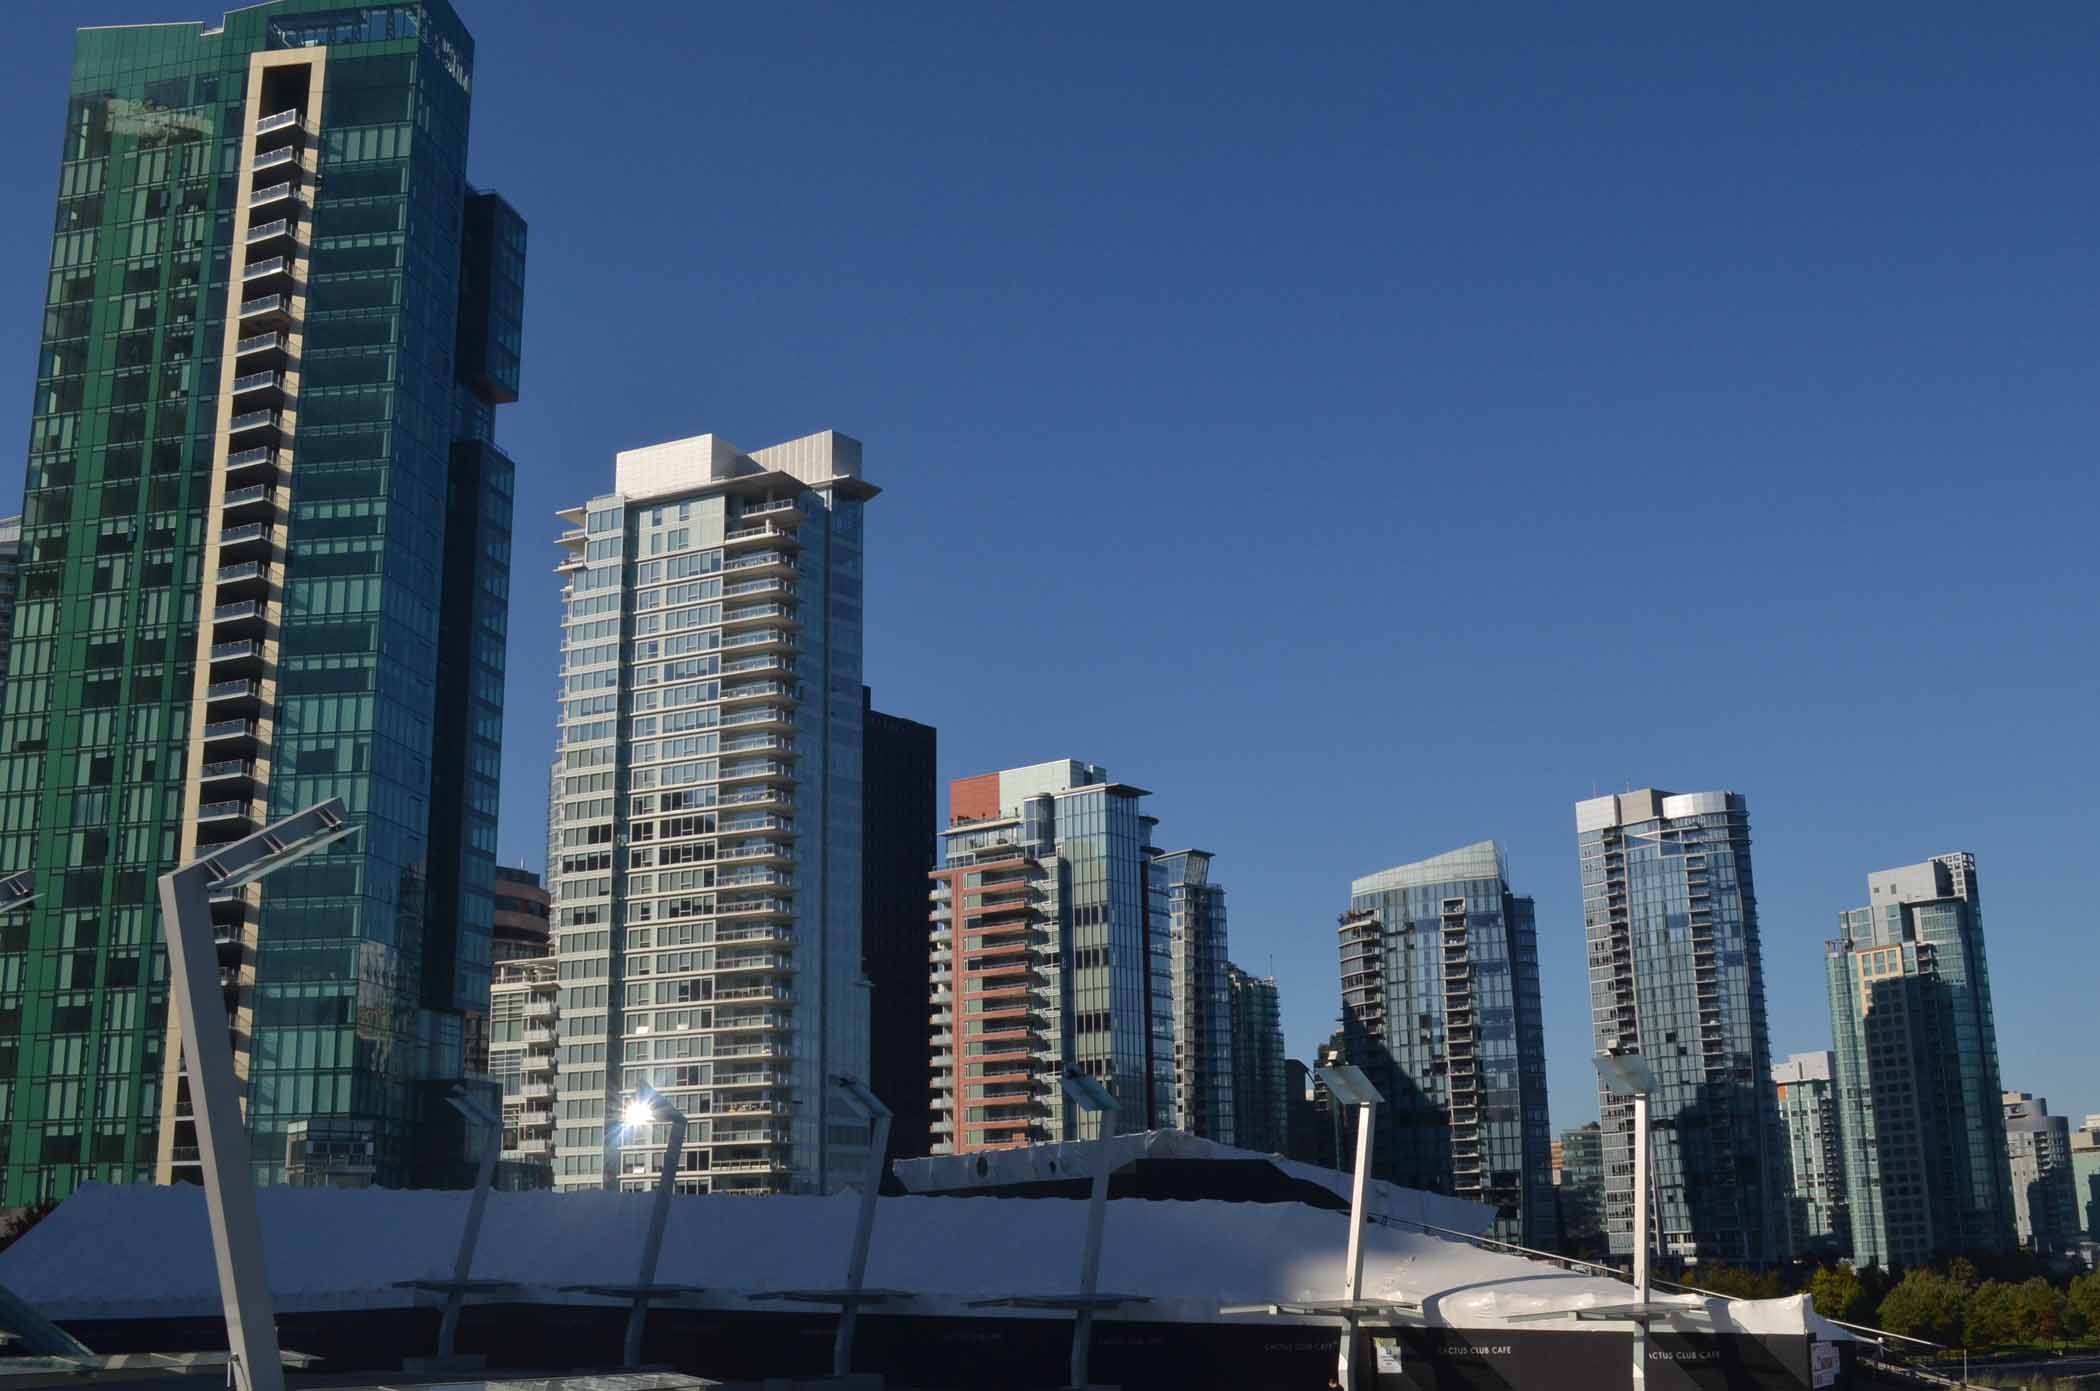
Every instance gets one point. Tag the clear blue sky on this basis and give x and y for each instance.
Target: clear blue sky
(1372, 428)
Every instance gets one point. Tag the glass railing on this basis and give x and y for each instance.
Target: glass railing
(251, 420)
(270, 159)
(261, 454)
(262, 304)
(264, 231)
(763, 531)
(255, 381)
(259, 343)
(212, 810)
(775, 636)
(271, 124)
(756, 611)
(754, 562)
(764, 714)
(754, 905)
(765, 509)
(229, 690)
(246, 570)
(275, 193)
(762, 768)
(256, 270)
(754, 878)
(227, 651)
(771, 586)
(752, 742)
(753, 934)
(236, 535)
(226, 768)
(229, 729)
(227, 613)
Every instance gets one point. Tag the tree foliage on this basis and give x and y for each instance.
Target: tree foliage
(1735, 1281)
(1839, 1293)
(1925, 1304)
(2083, 1300)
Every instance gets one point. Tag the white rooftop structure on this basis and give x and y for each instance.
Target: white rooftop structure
(144, 1251)
(1481, 860)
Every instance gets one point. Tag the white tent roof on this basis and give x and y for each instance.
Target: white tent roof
(144, 1251)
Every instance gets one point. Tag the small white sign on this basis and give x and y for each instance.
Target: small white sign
(1824, 1363)
(1388, 1354)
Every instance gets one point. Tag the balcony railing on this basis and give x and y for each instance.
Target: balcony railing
(264, 304)
(259, 343)
(275, 193)
(230, 729)
(257, 381)
(230, 651)
(764, 637)
(243, 458)
(238, 535)
(265, 231)
(226, 768)
(260, 270)
(252, 420)
(271, 124)
(219, 811)
(270, 159)
(246, 570)
(233, 690)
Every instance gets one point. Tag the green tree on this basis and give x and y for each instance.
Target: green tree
(2084, 1304)
(1962, 1271)
(2037, 1311)
(1838, 1292)
(1735, 1281)
(1925, 1304)
(1988, 1320)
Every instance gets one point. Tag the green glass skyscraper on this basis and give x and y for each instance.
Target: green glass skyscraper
(265, 560)
(1919, 1103)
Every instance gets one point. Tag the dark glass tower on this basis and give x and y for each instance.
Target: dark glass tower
(1677, 976)
(897, 832)
(265, 562)
(1440, 1007)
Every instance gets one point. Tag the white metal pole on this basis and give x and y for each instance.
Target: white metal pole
(1640, 1235)
(653, 1244)
(1345, 1365)
(463, 1268)
(863, 1233)
(1090, 1257)
(222, 1140)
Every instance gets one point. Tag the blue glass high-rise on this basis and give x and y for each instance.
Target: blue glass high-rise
(1440, 1007)
(1677, 976)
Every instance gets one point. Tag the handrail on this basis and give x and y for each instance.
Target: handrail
(1488, 1243)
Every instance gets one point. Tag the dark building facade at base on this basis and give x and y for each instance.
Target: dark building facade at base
(897, 851)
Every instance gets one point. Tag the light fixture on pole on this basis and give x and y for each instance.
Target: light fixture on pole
(463, 1282)
(1348, 1085)
(648, 1108)
(255, 1362)
(848, 1300)
(1089, 1095)
(1629, 1074)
